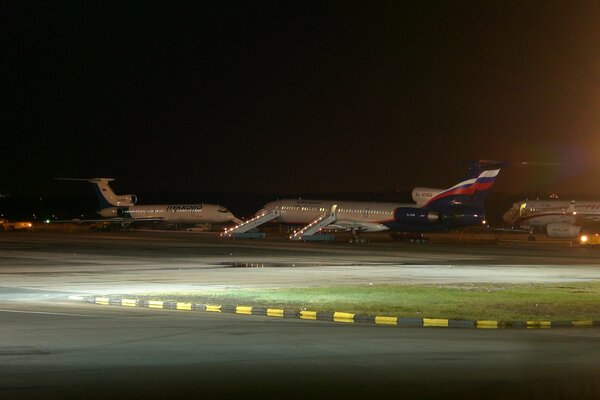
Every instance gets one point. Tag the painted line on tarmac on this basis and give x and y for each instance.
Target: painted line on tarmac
(339, 316)
(48, 313)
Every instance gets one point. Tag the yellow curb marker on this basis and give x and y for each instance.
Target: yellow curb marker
(129, 302)
(184, 306)
(386, 320)
(102, 300)
(275, 312)
(308, 315)
(243, 310)
(582, 323)
(485, 324)
(343, 317)
(539, 324)
(435, 322)
(155, 304)
(213, 308)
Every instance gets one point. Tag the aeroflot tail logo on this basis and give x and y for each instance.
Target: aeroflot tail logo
(471, 186)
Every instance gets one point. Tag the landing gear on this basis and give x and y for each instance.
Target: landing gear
(409, 237)
(358, 240)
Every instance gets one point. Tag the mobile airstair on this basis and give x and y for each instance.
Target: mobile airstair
(311, 231)
(243, 230)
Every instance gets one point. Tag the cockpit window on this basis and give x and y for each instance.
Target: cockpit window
(222, 210)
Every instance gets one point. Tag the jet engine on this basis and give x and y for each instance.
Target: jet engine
(110, 212)
(561, 230)
(410, 215)
(462, 215)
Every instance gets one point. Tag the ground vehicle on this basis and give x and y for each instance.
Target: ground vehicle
(15, 225)
(589, 239)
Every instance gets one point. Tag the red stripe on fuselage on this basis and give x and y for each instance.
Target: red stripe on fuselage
(476, 187)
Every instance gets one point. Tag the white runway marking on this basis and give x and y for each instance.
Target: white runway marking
(48, 313)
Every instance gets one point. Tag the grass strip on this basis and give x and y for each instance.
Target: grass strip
(565, 301)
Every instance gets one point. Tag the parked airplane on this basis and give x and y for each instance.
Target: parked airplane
(122, 208)
(560, 218)
(435, 210)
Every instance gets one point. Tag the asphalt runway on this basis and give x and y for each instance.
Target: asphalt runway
(51, 347)
(134, 262)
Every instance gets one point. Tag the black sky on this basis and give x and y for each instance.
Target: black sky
(299, 96)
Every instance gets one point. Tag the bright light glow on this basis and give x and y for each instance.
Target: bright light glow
(583, 238)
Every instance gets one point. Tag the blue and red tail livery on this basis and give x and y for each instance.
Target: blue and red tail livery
(472, 190)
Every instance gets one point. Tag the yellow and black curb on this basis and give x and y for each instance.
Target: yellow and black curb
(343, 317)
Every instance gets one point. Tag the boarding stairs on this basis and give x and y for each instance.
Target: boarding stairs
(240, 229)
(309, 231)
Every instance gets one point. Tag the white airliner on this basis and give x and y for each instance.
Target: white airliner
(122, 208)
(561, 218)
(435, 210)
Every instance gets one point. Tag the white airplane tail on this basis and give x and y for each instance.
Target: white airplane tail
(106, 196)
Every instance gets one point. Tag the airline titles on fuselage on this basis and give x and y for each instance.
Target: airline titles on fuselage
(185, 208)
(141, 211)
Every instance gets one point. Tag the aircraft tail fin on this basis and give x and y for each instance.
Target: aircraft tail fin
(474, 187)
(106, 196)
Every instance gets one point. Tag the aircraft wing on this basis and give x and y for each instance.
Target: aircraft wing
(349, 225)
(508, 229)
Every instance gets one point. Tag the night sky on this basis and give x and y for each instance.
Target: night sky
(289, 97)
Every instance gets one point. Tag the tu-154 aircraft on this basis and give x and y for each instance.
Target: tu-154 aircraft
(434, 210)
(123, 209)
(560, 218)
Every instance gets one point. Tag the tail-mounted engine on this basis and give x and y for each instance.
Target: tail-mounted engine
(126, 200)
(110, 212)
(415, 216)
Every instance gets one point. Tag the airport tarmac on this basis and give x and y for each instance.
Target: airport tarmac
(55, 348)
(134, 262)
(94, 352)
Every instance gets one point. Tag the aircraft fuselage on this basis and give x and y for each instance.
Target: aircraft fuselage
(172, 213)
(374, 216)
